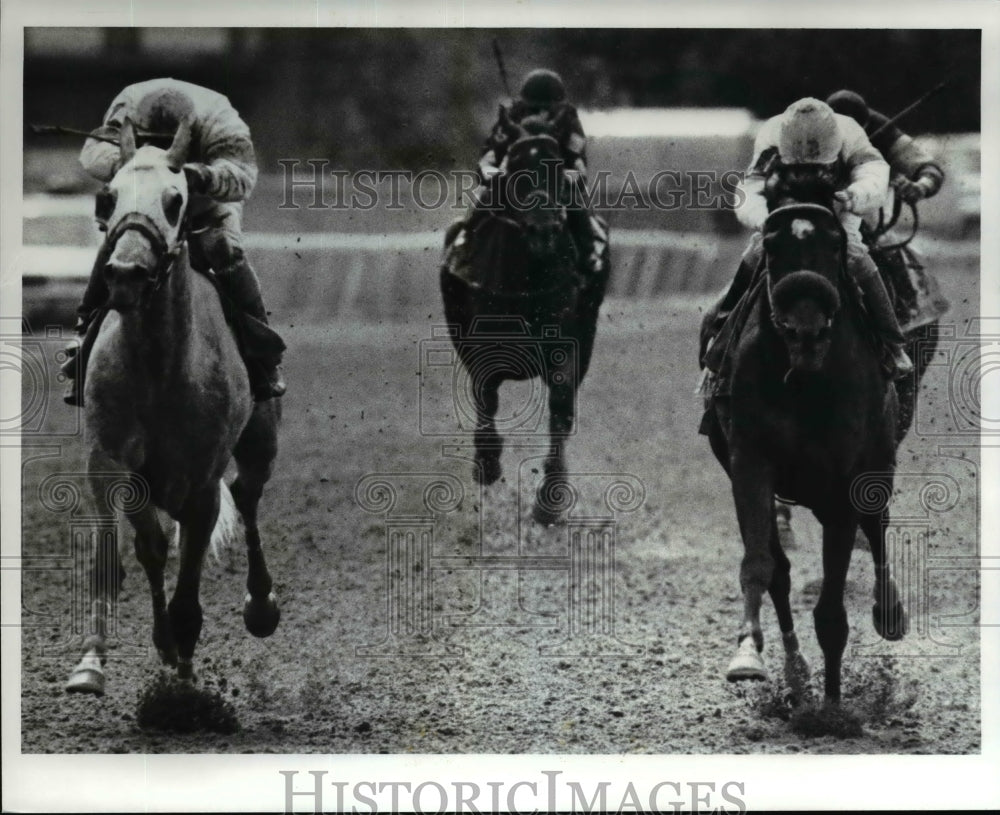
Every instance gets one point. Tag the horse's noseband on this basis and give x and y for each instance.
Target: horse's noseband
(145, 226)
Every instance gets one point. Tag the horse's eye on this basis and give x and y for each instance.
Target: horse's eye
(104, 204)
(172, 203)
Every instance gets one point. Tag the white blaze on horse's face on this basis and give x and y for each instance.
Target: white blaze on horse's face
(802, 228)
(150, 194)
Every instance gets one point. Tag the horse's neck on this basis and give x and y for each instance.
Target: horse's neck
(161, 333)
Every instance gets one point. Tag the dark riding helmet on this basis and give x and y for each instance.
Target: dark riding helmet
(850, 104)
(161, 112)
(543, 88)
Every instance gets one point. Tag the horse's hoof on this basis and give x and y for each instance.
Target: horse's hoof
(487, 471)
(797, 675)
(168, 656)
(87, 677)
(892, 626)
(747, 664)
(185, 670)
(261, 616)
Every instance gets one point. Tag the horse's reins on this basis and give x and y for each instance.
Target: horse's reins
(884, 227)
(167, 254)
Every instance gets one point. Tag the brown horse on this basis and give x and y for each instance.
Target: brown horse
(810, 416)
(168, 402)
(521, 307)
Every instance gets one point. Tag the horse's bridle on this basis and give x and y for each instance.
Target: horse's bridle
(147, 227)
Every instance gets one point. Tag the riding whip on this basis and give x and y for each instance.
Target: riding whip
(503, 70)
(907, 109)
(59, 130)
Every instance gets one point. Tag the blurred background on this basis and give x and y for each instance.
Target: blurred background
(413, 99)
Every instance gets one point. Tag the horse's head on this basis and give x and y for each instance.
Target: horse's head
(805, 246)
(533, 184)
(802, 184)
(149, 196)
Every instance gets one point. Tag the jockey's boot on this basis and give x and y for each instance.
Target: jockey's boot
(260, 345)
(71, 366)
(87, 314)
(717, 313)
(877, 302)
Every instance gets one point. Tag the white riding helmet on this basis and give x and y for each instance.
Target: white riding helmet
(809, 133)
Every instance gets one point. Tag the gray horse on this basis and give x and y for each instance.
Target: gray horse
(167, 401)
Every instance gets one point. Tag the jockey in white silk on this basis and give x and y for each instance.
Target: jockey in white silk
(221, 171)
(809, 135)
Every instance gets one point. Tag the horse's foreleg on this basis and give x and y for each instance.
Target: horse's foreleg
(197, 521)
(105, 579)
(486, 393)
(753, 495)
(151, 551)
(796, 667)
(255, 454)
(551, 495)
(830, 615)
(888, 614)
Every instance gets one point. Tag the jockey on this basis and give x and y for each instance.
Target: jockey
(915, 173)
(221, 172)
(543, 102)
(809, 133)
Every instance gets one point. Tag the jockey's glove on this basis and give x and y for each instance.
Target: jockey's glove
(846, 199)
(198, 178)
(912, 191)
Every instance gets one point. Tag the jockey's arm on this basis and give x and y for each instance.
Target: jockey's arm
(752, 212)
(916, 165)
(869, 172)
(102, 159)
(229, 171)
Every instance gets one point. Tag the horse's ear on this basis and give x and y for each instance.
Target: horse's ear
(127, 140)
(178, 152)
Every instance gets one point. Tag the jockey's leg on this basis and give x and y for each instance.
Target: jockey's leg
(740, 285)
(456, 235)
(588, 232)
(865, 273)
(88, 314)
(590, 238)
(222, 245)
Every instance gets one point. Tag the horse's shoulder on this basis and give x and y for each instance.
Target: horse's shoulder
(206, 297)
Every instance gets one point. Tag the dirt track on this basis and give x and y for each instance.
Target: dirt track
(353, 410)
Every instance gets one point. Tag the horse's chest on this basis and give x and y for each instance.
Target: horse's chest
(178, 439)
(806, 433)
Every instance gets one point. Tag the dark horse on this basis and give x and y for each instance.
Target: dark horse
(512, 288)
(168, 404)
(811, 417)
